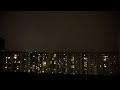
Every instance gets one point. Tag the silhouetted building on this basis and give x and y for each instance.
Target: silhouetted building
(84, 63)
(2, 47)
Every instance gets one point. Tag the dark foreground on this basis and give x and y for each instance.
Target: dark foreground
(36, 76)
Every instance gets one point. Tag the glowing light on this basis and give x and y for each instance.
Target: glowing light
(18, 61)
(85, 58)
(43, 71)
(8, 57)
(72, 66)
(15, 56)
(5, 66)
(54, 55)
(14, 61)
(44, 63)
(17, 68)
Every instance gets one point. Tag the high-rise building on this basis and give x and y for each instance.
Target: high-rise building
(84, 63)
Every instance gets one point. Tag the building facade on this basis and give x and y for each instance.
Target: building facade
(83, 63)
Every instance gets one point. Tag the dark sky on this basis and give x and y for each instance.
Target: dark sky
(59, 30)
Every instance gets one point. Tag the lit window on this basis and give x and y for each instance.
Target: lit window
(54, 62)
(24, 70)
(52, 58)
(8, 57)
(39, 54)
(64, 54)
(72, 59)
(52, 72)
(17, 68)
(66, 64)
(28, 70)
(50, 62)
(54, 55)
(43, 58)
(85, 58)
(72, 66)
(5, 66)
(64, 58)
(85, 69)
(43, 71)
(38, 68)
(86, 73)
(84, 54)
(72, 62)
(15, 56)
(73, 73)
(100, 65)
(33, 55)
(18, 61)
(6, 62)
(85, 64)
(105, 66)
(24, 58)
(14, 61)
(46, 57)
(33, 66)
(44, 63)
(54, 69)
(104, 59)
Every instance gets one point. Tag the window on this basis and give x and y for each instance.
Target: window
(5, 66)
(54, 55)
(44, 63)
(72, 66)
(8, 57)
(15, 56)
(17, 68)
(105, 66)
(72, 59)
(18, 61)
(85, 64)
(85, 58)
(28, 70)
(43, 71)
(54, 62)
(14, 61)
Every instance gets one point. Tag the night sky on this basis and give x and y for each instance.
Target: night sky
(60, 30)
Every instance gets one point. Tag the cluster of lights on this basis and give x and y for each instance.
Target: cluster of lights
(61, 63)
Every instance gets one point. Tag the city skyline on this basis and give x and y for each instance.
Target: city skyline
(82, 63)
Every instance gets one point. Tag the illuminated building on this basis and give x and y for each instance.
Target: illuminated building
(84, 63)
